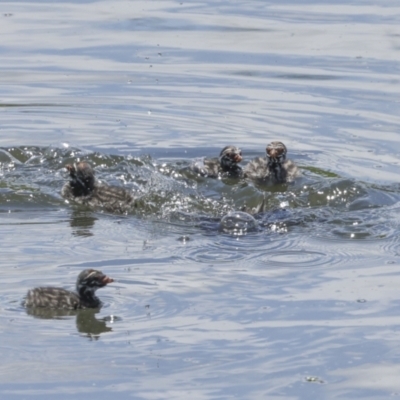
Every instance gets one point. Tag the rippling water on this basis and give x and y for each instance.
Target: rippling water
(298, 300)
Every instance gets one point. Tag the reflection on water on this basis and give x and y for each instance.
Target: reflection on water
(86, 322)
(82, 222)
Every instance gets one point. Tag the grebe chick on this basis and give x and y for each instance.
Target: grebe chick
(226, 165)
(274, 168)
(87, 283)
(84, 189)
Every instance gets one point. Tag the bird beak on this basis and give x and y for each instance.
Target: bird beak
(273, 154)
(237, 158)
(70, 168)
(105, 280)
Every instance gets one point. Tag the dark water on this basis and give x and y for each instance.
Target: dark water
(303, 303)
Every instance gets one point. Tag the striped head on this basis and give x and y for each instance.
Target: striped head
(276, 153)
(83, 180)
(229, 157)
(90, 280)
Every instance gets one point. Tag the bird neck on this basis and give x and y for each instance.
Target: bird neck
(277, 170)
(87, 296)
(79, 188)
(227, 164)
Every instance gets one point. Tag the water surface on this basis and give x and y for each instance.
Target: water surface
(302, 306)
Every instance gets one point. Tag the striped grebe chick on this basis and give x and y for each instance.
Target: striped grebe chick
(226, 165)
(87, 283)
(83, 188)
(274, 168)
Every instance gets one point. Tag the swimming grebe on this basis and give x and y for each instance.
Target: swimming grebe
(84, 189)
(226, 165)
(274, 168)
(87, 283)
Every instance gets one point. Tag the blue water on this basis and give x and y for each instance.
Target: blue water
(302, 306)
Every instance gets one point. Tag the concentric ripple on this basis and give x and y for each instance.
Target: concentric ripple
(237, 249)
(296, 259)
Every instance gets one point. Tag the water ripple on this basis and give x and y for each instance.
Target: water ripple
(297, 259)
